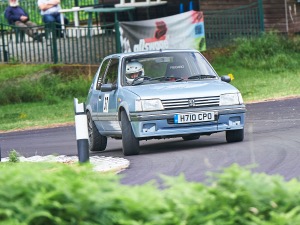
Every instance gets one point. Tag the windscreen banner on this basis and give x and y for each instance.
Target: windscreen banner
(181, 31)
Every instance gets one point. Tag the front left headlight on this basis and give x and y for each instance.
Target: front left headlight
(148, 105)
(231, 99)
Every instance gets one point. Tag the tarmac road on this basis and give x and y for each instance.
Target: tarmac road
(272, 144)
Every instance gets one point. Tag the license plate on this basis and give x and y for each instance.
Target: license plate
(194, 117)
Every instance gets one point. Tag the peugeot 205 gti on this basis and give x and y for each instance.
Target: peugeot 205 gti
(161, 94)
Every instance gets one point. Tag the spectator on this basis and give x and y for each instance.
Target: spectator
(50, 13)
(17, 16)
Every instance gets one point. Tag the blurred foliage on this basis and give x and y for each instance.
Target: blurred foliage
(75, 194)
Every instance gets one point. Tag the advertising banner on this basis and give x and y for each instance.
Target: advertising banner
(181, 31)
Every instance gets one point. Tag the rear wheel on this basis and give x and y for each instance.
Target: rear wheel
(131, 145)
(191, 137)
(234, 135)
(97, 142)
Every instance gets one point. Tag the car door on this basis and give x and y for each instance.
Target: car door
(107, 101)
(95, 89)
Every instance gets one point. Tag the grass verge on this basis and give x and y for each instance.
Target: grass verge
(36, 115)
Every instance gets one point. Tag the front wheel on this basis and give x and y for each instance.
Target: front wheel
(131, 145)
(234, 135)
(97, 142)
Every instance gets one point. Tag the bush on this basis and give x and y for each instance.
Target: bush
(71, 194)
(46, 87)
(271, 52)
(14, 156)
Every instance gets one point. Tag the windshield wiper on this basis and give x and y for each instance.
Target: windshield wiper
(201, 76)
(140, 80)
(166, 78)
(157, 78)
(137, 80)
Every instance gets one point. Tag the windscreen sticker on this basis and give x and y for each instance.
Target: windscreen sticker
(105, 103)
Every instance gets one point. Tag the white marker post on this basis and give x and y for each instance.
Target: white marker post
(82, 135)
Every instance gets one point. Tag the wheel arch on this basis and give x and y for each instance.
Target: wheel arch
(123, 107)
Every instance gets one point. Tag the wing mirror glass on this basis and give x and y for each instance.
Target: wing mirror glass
(226, 78)
(108, 87)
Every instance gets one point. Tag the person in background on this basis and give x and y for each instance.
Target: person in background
(17, 16)
(50, 13)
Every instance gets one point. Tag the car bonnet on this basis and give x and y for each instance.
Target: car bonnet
(174, 90)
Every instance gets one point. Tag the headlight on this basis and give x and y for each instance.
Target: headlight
(231, 99)
(240, 98)
(148, 105)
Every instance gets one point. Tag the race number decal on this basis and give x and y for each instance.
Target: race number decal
(105, 103)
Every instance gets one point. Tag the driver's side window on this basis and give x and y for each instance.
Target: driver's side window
(112, 72)
(101, 74)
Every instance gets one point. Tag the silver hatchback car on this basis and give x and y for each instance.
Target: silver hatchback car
(161, 94)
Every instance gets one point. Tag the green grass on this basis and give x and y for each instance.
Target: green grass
(38, 114)
(9, 71)
(264, 68)
(258, 85)
(42, 95)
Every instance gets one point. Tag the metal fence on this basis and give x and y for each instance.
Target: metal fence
(85, 45)
(222, 27)
(76, 46)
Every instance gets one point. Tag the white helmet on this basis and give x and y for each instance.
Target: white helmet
(134, 70)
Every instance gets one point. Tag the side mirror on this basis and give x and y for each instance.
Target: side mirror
(108, 87)
(226, 78)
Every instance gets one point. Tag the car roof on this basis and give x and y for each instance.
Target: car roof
(121, 55)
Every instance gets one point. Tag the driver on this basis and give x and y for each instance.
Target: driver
(133, 71)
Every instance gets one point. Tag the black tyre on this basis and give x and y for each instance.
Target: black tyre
(131, 145)
(191, 137)
(97, 142)
(234, 135)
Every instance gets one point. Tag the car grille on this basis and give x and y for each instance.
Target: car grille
(184, 103)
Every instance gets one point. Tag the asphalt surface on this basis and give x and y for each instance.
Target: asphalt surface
(271, 145)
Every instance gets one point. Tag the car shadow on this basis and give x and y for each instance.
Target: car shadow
(175, 145)
(165, 145)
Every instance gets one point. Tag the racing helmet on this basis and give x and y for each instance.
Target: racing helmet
(134, 70)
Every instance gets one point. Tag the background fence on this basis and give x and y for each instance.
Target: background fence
(222, 27)
(78, 45)
(85, 45)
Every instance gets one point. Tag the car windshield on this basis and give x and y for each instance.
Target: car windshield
(166, 67)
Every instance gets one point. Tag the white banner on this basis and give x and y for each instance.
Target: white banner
(181, 31)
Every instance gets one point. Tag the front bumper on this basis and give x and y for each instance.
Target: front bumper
(159, 123)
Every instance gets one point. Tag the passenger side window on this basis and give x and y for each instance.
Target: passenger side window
(112, 72)
(102, 73)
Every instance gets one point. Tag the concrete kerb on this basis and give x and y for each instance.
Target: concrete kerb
(100, 163)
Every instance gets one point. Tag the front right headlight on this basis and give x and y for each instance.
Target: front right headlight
(231, 99)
